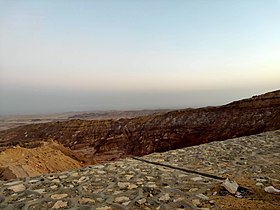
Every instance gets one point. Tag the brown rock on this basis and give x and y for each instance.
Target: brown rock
(102, 140)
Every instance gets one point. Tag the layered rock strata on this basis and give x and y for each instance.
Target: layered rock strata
(112, 139)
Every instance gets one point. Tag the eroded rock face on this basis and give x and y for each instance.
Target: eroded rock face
(18, 162)
(111, 139)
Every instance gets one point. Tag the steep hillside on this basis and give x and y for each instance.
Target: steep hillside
(49, 157)
(111, 139)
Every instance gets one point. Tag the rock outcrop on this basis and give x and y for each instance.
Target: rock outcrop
(112, 139)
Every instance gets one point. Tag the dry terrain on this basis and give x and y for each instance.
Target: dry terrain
(49, 157)
(77, 142)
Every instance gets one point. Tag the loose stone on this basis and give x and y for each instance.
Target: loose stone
(272, 190)
(126, 203)
(198, 178)
(259, 184)
(165, 197)
(12, 183)
(230, 185)
(17, 188)
(121, 199)
(39, 191)
(59, 204)
(123, 185)
(196, 202)
(128, 177)
(203, 197)
(212, 202)
(142, 201)
(1, 199)
(86, 200)
(131, 186)
(59, 196)
(83, 179)
(104, 208)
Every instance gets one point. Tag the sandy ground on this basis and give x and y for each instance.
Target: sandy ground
(22, 162)
(255, 199)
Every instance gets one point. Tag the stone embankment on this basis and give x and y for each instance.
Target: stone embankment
(188, 178)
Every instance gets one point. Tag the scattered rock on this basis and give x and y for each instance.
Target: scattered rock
(83, 179)
(201, 196)
(271, 189)
(198, 178)
(53, 187)
(51, 177)
(33, 181)
(262, 180)
(151, 184)
(17, 188)
(55, 181)
(196, 202)
(212, 202)
(131, 186)
(12, 183)
(59, 196)
(165, 197)
(40, 191)
(2, 199)
(86, 200)
(104, 208)
(116, 192)
(128, 177)
(121, 199)
(259, 184)
(126, 203)
(230, 185)
(59, 204)
(193, 189)
(142, 201)
(238, 194)
(123, 185)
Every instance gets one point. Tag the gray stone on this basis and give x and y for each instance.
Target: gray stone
(2, 199)
(201, 196)
(196, 202)
(123, 185)
(83, 179)
(59, 204)
(164, 197)
(142, 201)
(104, 208)
(17, 188)
(198, 178)
(230, 185)
(59, 196)
(272, 190)
(259, 184)
(12, 183)
(39, 191)
(121, 199)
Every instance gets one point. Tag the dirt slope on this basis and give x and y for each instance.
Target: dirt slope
(50, 157)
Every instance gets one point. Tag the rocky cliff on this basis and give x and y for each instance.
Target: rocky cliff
(111, 139)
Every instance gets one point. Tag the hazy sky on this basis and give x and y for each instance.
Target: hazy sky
(66, 55)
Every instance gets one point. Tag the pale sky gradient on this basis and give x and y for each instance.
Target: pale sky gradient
(66, 55)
